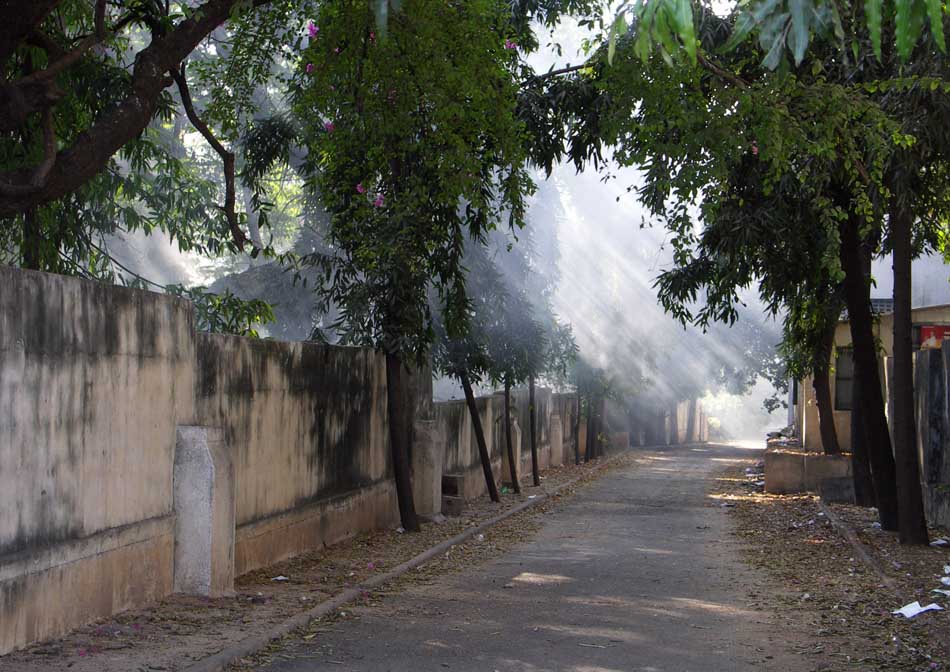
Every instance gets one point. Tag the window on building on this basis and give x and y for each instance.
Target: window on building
(844, 379)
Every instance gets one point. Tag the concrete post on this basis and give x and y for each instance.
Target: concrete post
(556, 437)
(204, 513)
(428, 456)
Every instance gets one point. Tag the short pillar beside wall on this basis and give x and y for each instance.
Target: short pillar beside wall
(428, 455)
(204, 513)
(556, 437)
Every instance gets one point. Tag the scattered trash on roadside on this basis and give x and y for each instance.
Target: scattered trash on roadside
(806, 596)
(914, 609)
(400, 530)
(876, 526)
(945, 580)
(727, 505)
(531, 496)
(480, 537)
(945, 593)
(940, 543)
(946, 569)
(280, 578)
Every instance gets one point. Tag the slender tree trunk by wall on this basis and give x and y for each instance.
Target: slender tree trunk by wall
(822, 385)
(399, 404)
(826, 418)
(32, 240)
(533, 425)
(863, 484)
(913, 522)
(512, 467)
(878, 441)
(691, 421)
(480, 439)
(591, 451)
(577, 431)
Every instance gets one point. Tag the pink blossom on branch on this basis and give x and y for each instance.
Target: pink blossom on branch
(360, 189)
(329, 126)
(379, 201)
(510, 44)
(313, 29)
(309, 67)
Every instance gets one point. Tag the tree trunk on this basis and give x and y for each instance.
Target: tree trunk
(913, 522)
(512, 467)
(577, 432)
(820, 375)
(32, 241)
(533, 428)
(480, 439)
(590, 453)
(400, 408)
(863, 484)
(691, 421)
(857, 291)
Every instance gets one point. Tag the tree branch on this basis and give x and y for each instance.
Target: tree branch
(227, 157)
(721, 72)
(554, 73)
(92, 149)
(20, 18)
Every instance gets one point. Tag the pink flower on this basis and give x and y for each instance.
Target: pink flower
(378, 203)
(328, 126)
(336, 50)
(360, 189)
(371, 565)
(372, 37)
(313, 29)
(309, 67)
(510, 44)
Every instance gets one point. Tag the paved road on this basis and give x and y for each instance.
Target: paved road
(637, 572)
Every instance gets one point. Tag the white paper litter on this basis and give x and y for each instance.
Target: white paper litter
(280, 578)
(531, 496)
(940, 543)
(946, 569)
(914, 609)
(945, 580)
(945, 593)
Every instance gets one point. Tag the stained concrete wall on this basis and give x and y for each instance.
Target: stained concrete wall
(462, 467)
(565, 406)
(93, 381)
(543, 407)
(306, 425)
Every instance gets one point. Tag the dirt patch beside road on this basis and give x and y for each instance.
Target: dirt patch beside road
(845, 601)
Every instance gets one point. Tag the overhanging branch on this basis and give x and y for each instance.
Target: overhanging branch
(92, 149)
(227, 157)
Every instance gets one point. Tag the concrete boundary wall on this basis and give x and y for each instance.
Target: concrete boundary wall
(95, 383)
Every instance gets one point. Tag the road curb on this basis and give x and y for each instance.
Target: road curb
(250, 645)
(859, 547)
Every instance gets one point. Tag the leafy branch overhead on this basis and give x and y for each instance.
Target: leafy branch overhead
(782, 28)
